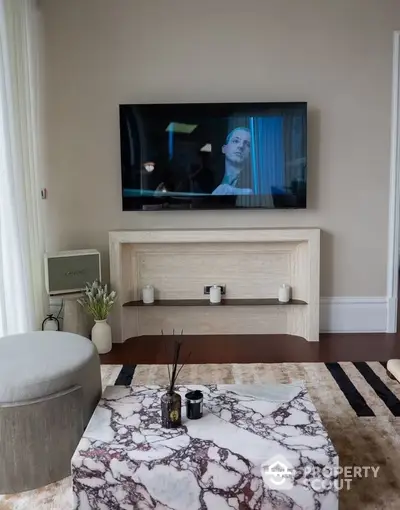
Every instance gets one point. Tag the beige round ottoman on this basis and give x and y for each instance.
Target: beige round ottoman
(393, 368)
(50, 384)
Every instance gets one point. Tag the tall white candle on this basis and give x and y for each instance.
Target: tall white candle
(148, 294)
(284, 293)
(215, 294)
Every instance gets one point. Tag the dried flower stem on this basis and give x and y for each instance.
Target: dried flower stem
(97, 301)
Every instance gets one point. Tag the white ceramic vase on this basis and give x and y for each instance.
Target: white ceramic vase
(101, 336)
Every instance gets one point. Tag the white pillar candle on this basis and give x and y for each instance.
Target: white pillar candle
(215, 294)
(148, 294)
(284, 293)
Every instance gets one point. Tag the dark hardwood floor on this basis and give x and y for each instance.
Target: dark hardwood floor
(257, 349)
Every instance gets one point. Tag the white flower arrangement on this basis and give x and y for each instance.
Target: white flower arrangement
(97, 301)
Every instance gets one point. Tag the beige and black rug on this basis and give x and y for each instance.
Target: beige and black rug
(358, 403)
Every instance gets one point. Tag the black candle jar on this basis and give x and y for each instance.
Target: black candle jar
(194, 405)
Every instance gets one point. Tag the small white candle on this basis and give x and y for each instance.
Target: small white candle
(284, 293)
(215, 294)
(148, 294)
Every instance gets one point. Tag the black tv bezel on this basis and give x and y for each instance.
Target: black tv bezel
(212, 202)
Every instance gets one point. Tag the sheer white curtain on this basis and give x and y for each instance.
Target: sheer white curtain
(22, 297)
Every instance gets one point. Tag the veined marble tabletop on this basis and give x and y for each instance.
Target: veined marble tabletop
(256, 447)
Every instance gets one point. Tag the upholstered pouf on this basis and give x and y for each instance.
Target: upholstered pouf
(393, 368)
(50, 384)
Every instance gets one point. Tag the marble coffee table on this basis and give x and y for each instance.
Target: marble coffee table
(256, 447)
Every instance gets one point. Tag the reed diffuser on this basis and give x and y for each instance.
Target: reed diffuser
(171, 401)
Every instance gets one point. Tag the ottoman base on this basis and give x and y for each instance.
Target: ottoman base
(38, 439)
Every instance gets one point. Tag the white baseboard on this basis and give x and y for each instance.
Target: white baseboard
(353, 314)
(391, 326)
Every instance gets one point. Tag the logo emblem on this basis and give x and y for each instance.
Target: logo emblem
(278, 473)
(174, 415)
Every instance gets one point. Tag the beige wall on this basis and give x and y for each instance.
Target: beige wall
(335, 54)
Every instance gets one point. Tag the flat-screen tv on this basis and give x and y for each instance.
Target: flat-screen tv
(213, 156)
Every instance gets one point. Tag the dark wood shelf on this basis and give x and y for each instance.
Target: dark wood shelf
(224, 302)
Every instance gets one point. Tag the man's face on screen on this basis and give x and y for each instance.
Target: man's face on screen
(237, 150)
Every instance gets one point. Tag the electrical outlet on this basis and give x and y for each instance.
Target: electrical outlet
(208, 287)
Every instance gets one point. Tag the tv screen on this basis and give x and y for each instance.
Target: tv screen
(211, 156)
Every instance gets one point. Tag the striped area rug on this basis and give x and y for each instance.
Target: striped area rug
(358, 403)
(355, 380)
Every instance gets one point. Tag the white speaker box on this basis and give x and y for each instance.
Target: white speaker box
(68, 271)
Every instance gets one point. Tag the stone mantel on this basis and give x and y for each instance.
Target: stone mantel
(252, 263)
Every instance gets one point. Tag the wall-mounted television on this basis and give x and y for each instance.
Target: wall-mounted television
(213, 156)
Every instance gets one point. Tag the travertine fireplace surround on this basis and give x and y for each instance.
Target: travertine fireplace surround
(252, 263)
